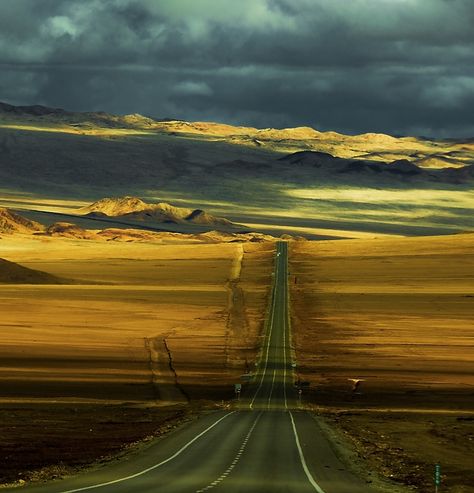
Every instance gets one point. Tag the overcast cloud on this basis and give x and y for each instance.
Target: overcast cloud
(396, 66)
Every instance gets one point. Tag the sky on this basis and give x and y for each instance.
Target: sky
(404, 67)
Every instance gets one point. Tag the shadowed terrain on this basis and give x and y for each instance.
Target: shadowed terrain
(11, 273)
(318, 184)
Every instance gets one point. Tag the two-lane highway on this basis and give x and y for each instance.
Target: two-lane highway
(266, 444)
(274, 379)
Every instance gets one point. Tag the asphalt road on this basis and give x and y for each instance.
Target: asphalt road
(265, 444)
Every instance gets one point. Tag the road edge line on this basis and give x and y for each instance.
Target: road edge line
(313, 483)
(141, 473)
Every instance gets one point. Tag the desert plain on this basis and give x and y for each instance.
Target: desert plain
(142, 326)
(137, 337)
(121, 319)
(383, 331)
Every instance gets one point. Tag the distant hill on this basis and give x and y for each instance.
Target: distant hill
(327, 161)
(360, 171)
(12, 273)
(311, 158)
(115, 207)
(132, 207)
(68, 230)
(401, 168)
(80, 119)
(459, 175)
(10, 222)
(35, 110)
(136, 209)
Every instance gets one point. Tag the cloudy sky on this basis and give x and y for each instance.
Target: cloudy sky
(396, 66)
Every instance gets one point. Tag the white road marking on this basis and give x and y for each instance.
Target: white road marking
(234, 462)
(302, 459)
(141, 473)
(241, 450)
(271, 388)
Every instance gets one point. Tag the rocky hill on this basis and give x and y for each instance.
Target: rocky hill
(10, 222)
(133, 208)
(326, 167)
(69, 230)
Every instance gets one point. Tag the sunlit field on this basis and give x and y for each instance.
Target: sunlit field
(383, 333)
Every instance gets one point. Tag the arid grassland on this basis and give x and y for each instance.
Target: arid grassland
(384, 335)
(145, 327)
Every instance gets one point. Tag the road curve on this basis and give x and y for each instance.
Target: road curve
(265, 444)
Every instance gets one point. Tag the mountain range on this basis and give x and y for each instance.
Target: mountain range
(246, 174)
(260, 148)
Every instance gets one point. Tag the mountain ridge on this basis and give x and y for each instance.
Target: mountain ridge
(11, 222)
(137, 120)
(373, 146)
(129, 207)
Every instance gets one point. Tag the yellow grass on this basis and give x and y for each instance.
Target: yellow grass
(109, 341)
(396, 313)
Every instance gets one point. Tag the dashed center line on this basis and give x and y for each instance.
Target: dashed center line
(234, 461)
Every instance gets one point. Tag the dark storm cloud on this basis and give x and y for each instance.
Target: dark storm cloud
(399, 66)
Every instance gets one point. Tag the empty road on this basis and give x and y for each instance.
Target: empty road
(265, 444)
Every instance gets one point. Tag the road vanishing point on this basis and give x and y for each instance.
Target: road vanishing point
(266, 444)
